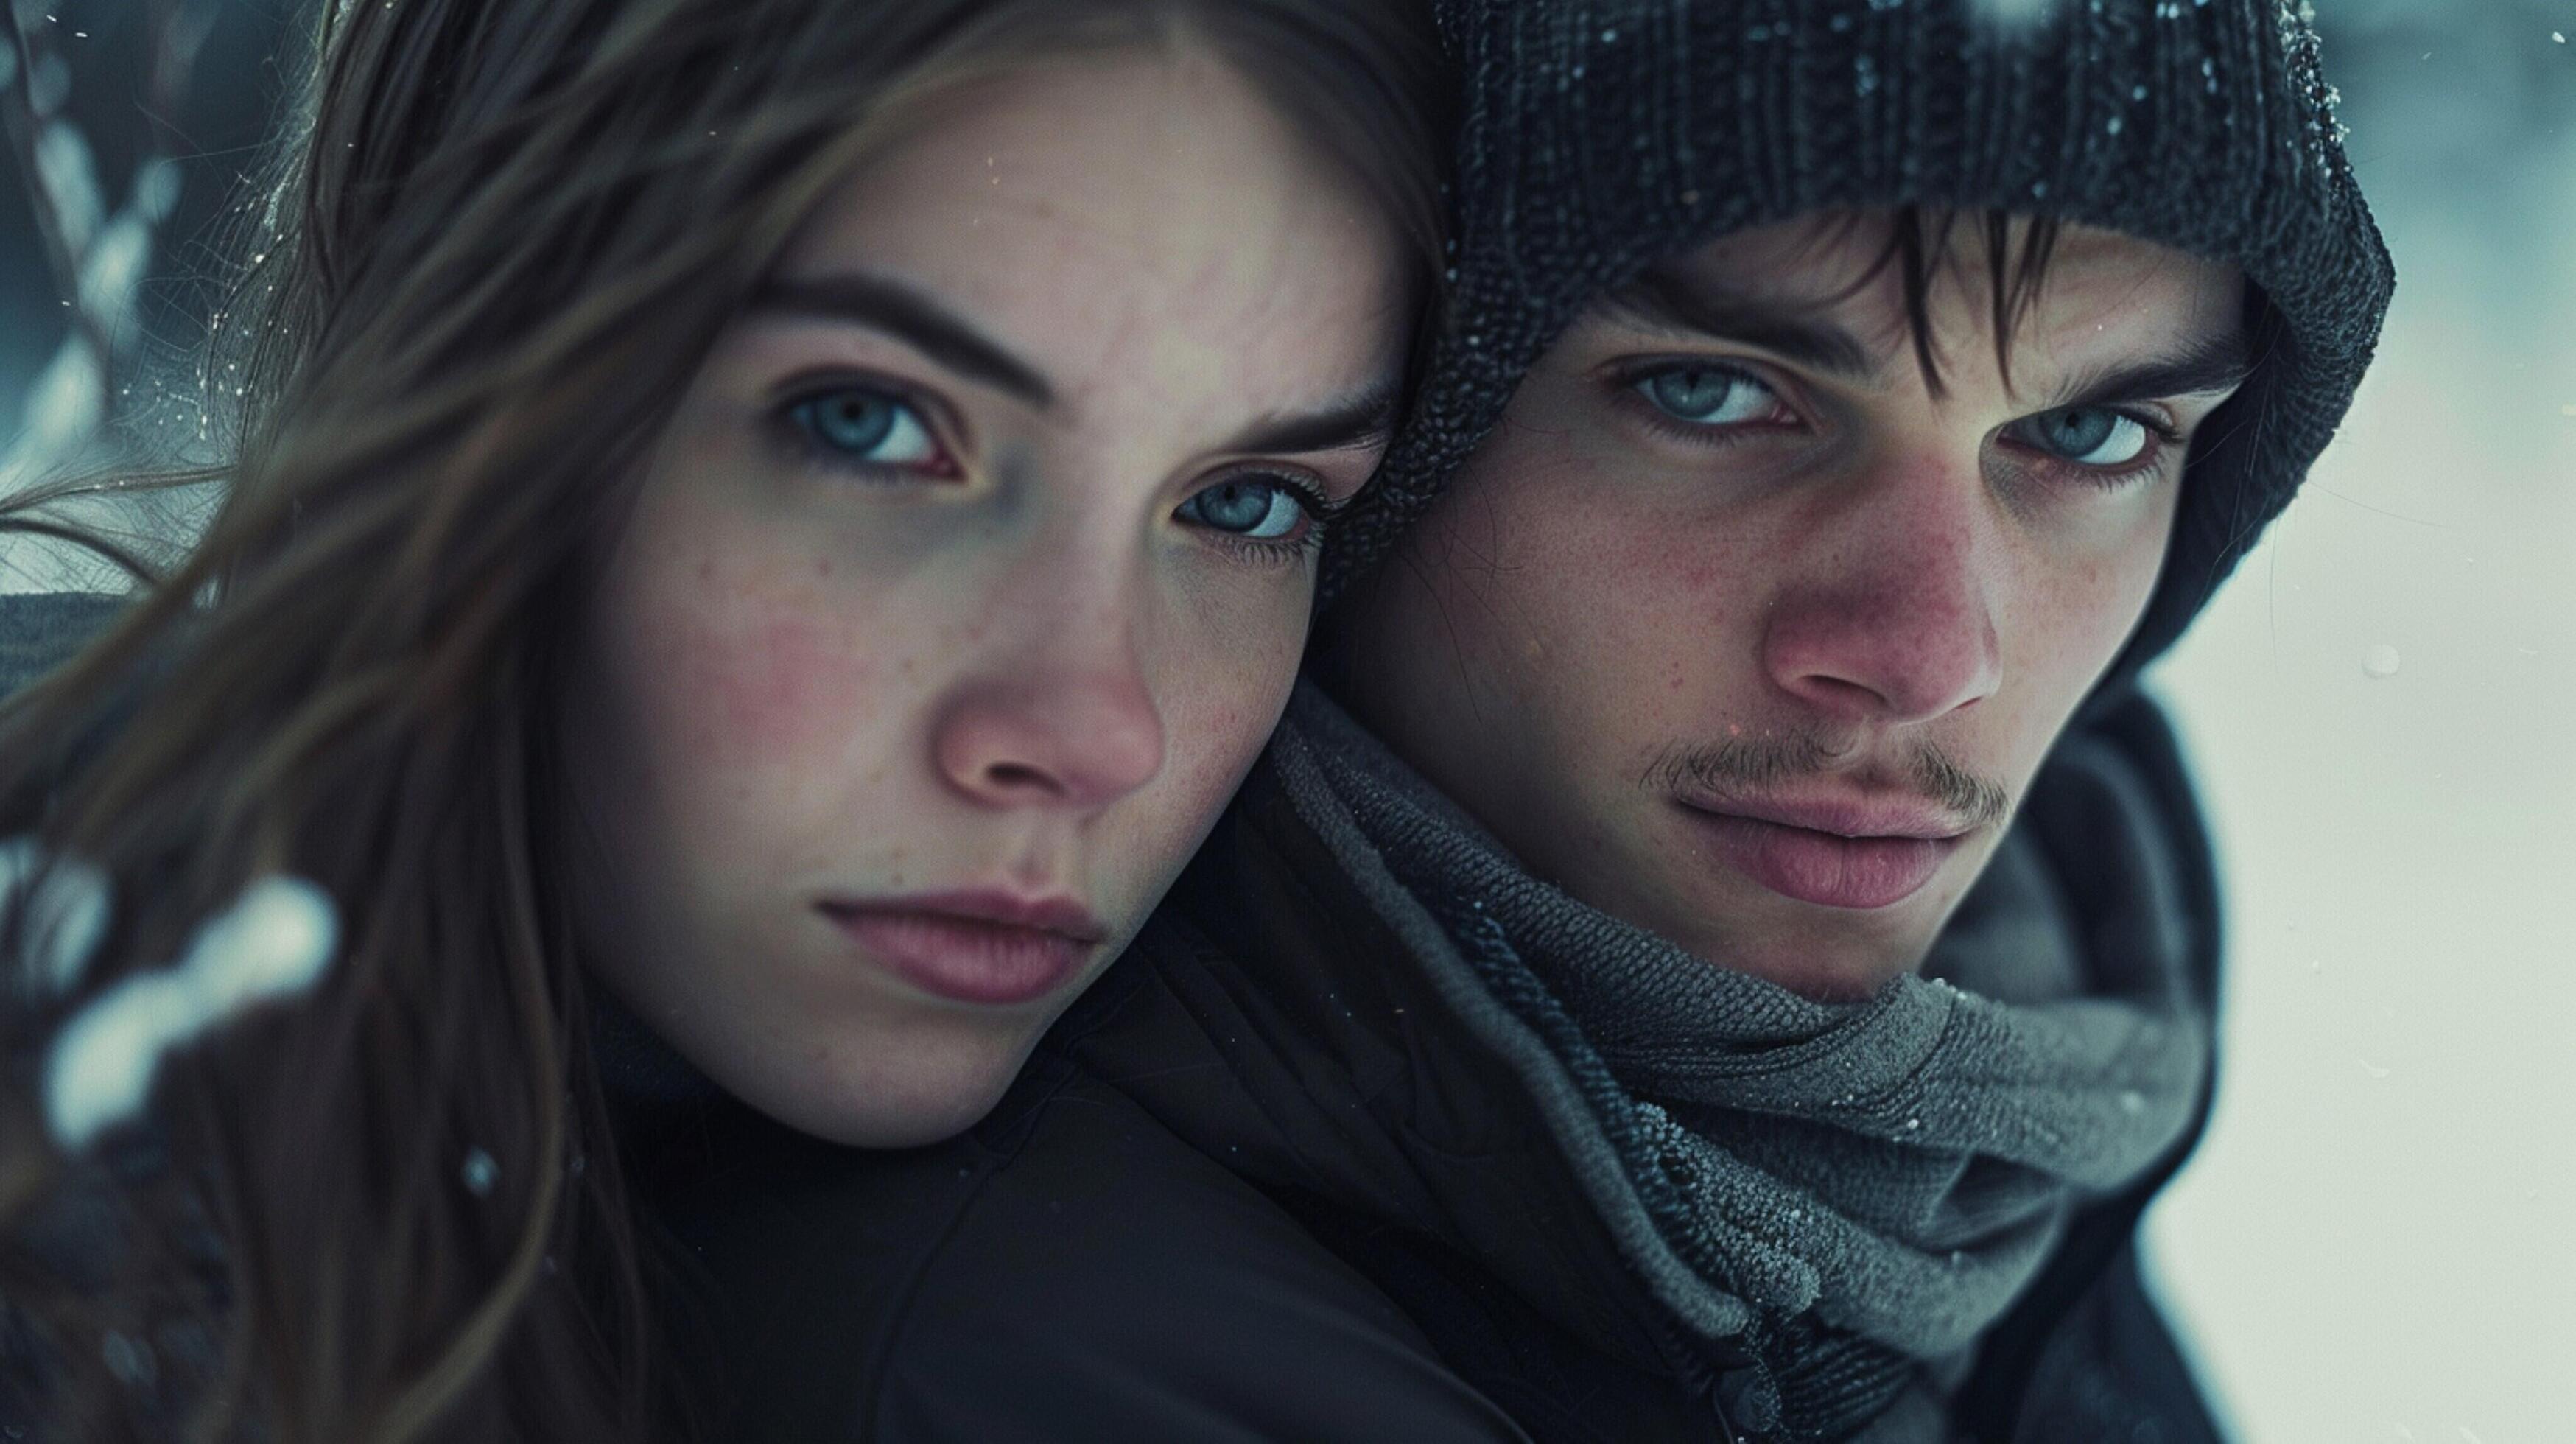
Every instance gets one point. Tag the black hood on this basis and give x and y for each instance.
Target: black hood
(1600, 136)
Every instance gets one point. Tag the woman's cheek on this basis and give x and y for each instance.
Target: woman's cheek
(1225, 700)
(760, 692)
(784, 688)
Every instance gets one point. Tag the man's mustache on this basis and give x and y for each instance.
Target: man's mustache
(1759, 763)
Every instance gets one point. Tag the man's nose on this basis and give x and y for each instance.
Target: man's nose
(1891, 618)
(1065, 718)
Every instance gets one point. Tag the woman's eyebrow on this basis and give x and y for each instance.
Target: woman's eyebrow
(912, 316)
(1364, 418)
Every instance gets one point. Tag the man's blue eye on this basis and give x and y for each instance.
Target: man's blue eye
(1707, 395)
(2087, 436)
(1257, 508)
(862, 424)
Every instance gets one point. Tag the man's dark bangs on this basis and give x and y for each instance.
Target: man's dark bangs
(1924, 241)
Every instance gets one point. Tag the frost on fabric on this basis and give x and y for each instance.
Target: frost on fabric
(272, 943)
(60, 907)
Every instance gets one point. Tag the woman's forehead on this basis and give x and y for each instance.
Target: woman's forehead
(1139, 211)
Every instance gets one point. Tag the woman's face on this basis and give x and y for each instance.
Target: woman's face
(968, 580)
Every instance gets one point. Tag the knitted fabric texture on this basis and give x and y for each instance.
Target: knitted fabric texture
(1856, 1190)
(1600, 136)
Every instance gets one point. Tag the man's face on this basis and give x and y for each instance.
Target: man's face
(1744, 631)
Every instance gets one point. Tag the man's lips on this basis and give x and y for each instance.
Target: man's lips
(1854, 853)
(1859, 818)
(984, 946)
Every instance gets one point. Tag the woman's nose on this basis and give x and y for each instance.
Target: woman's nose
(1066, 717)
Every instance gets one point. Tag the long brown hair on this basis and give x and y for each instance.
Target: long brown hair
(501, 237)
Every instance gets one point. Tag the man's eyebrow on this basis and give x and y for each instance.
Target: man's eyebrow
(1666, 301)
(2206, 368)
(910, 315)
(1364, 418)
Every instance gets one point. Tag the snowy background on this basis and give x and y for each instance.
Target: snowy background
(2378, 1240)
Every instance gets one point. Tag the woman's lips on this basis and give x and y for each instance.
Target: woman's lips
(989, 949)
(1824, 868)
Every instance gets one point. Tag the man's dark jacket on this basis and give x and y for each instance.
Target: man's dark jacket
(1264, 1183)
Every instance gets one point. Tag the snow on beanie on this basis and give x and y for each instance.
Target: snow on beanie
(1600, 136)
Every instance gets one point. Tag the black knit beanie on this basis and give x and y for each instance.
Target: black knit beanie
(1600, 136)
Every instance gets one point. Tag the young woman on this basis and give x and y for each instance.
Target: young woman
(776, 522)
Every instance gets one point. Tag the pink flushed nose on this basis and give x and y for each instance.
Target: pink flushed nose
(1080, 742)
(1894, 622)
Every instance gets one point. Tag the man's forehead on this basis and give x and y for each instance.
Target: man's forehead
(1810, 263)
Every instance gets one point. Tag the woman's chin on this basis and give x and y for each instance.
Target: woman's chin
(904, 1087)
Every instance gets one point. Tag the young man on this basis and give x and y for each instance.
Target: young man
(1728, 952)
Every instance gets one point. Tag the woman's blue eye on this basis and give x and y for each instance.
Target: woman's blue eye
(866, 425)
(1708, 395)
(2087, 436)
(1257, 508)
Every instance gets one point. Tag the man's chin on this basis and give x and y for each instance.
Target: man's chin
(1828, 954)
(1697, 897)
(1826, 975)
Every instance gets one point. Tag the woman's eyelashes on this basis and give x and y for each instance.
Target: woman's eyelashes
(871, 429)
(1260, 514)
(884, 431)
(879, 432)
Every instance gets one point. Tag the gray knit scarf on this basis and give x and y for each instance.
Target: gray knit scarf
(1856, 1190)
